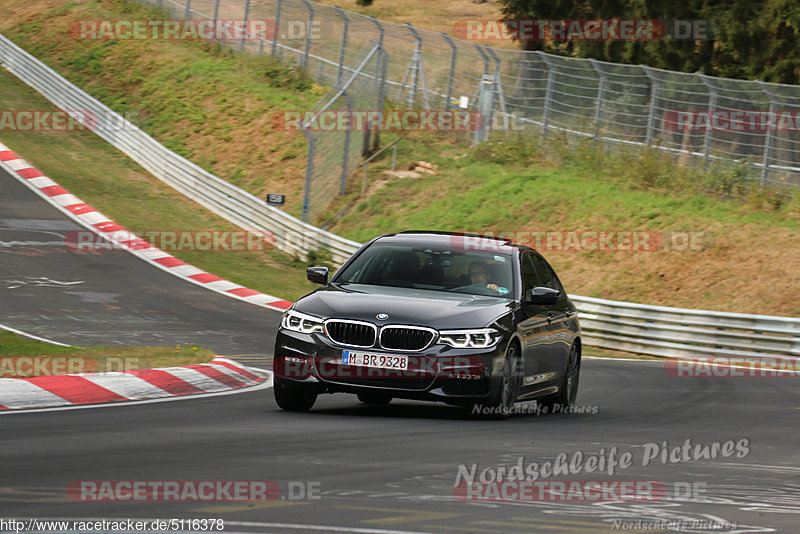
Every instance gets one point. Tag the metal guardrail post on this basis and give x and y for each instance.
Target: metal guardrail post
(277, 27)
(770, 135)
(307, 47)
(601, 89)
(651, 112)
(548, 95)
(244, 24)
(342, 14)
(451, 74)
(712, 105)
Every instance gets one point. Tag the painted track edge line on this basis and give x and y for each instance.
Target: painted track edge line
(31, 336)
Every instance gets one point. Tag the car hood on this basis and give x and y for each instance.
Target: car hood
(419, 307)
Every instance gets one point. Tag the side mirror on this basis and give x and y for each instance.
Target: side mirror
(317, 275)
(542, 295)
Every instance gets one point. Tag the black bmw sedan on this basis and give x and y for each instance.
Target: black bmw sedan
(459, 318)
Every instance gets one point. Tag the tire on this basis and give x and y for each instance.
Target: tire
(374, 398)
(502, 404)
(293, 397)
(564, 400)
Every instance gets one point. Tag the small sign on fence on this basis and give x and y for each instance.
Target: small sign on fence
(275, 200)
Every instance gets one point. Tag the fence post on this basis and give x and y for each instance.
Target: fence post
(601, 89)
(309, 171)
(485, 70)
(485, 104)
(451, 74)
(244, 25)
(277, 27)
(651, 112)
(498, 86)
(770, 135)
(308, 33)
(345, 159)
(342, 14)
(417, 70)
(216, 17)
(712, 105)
(188, 9)
(381, 65)
(548, 95)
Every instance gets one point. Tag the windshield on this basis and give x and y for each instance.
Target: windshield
(436, 268)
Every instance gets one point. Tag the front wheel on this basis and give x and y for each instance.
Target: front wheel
(293, 397)
(502, 404)
(564, 400)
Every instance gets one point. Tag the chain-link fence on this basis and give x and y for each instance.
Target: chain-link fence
(698, 118)
(335, 153)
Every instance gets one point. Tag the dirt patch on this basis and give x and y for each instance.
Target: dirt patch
(746, 269)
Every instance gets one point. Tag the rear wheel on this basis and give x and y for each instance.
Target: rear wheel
(564, 400)
(293, 397)
(505, 397)
(374, 398)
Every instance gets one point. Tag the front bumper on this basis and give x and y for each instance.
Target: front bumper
(438, 373)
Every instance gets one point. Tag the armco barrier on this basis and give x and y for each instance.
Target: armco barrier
(237, 206)
(677, 333)
(652, 330)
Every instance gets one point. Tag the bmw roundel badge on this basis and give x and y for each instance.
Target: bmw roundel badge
(382, 316)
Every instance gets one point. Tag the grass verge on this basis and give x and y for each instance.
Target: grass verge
(21, 357)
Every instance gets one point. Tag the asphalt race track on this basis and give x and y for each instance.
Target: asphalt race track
(109, 297)
(366, 469)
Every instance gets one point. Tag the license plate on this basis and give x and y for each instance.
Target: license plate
(381, 361)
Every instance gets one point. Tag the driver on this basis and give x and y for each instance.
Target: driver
(479, 274)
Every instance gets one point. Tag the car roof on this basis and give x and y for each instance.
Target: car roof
(468, 241)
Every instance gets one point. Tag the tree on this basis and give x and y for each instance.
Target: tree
(751, 39)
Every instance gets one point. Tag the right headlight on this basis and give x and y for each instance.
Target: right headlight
(300, 322)
(475, 338)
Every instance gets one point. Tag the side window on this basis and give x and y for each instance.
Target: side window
(546, 277)
(528, 274)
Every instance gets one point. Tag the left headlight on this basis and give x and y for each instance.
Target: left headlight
(477, 338)
(300, 322)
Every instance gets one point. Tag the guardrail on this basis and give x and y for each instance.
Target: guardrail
(652, 330)
(679, 333)
(237, 206)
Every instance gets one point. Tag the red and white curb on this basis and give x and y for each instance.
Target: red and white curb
(218, 376)
(93, 220)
